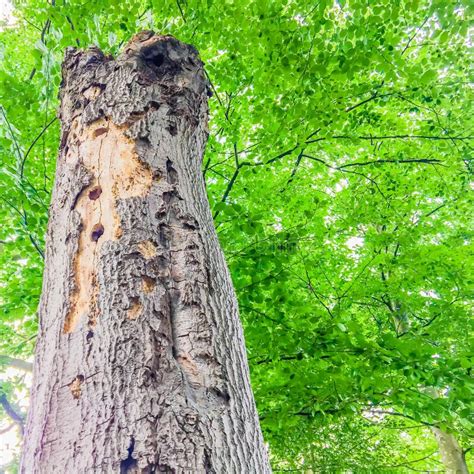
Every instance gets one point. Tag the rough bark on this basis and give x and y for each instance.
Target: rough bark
(140, 361)
(451, 453)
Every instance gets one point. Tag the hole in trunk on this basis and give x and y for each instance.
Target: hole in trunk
(172, 129)
(99, 131)
(153, 55)
(158, 60)
(97, 231)
(129, 465)
(95, 192)
(148, 284)
(152, 105)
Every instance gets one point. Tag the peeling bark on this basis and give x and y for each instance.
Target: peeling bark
(140, 360)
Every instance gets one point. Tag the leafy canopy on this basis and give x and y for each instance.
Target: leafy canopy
(338, 171)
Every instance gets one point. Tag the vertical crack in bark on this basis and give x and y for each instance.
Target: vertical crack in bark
(186, 284)
(94, 310)
(117, 173)
(181, 318)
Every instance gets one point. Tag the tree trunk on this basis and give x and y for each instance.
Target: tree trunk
(140, 360)
(451, 453)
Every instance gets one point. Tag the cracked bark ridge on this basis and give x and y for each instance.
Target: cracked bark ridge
(140, 360)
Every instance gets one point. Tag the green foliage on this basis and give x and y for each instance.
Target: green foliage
(338, 170)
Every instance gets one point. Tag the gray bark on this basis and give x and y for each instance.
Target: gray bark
(451, 453)
(140, 361)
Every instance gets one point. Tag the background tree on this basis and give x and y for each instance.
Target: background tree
(338, 169)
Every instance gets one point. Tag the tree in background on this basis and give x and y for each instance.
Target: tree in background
(338, 171)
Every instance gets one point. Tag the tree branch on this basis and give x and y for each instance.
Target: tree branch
(22, 167)
(395, 137)
(17, 418)
(411, 462)
(10, 129)
(7, 429)
(228, 189)
(395, 413)
(16, 363)
(181, 11)
(414, 35)
(429, 161)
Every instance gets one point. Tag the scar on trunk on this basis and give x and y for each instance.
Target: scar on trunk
(118, 173)
(148, 284)
(135, 309)
(75, 386)
(92, 92)
(147, 249)
(190, 368)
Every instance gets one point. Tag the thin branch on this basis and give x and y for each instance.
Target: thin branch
(436, 209)
(281, 155)
(36, 246)
(315, 294)
(225, 178)
(374, 96)
(11, 133)
(24, 223)
(295, 168)
(414, 35)
(181, 10)
(213, 88)
(395, 413)
(22, 167)
(31, 237)
(429, 161)
(229, 102)
(45, 30)
(228, 189)
(395, 137)
(250, 308)
(411, 462)
(236, 156)
(31, 24)
(73, 29)
(17, 418)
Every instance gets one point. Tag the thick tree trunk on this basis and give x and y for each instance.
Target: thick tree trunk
(451, 453)
(140, 361)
